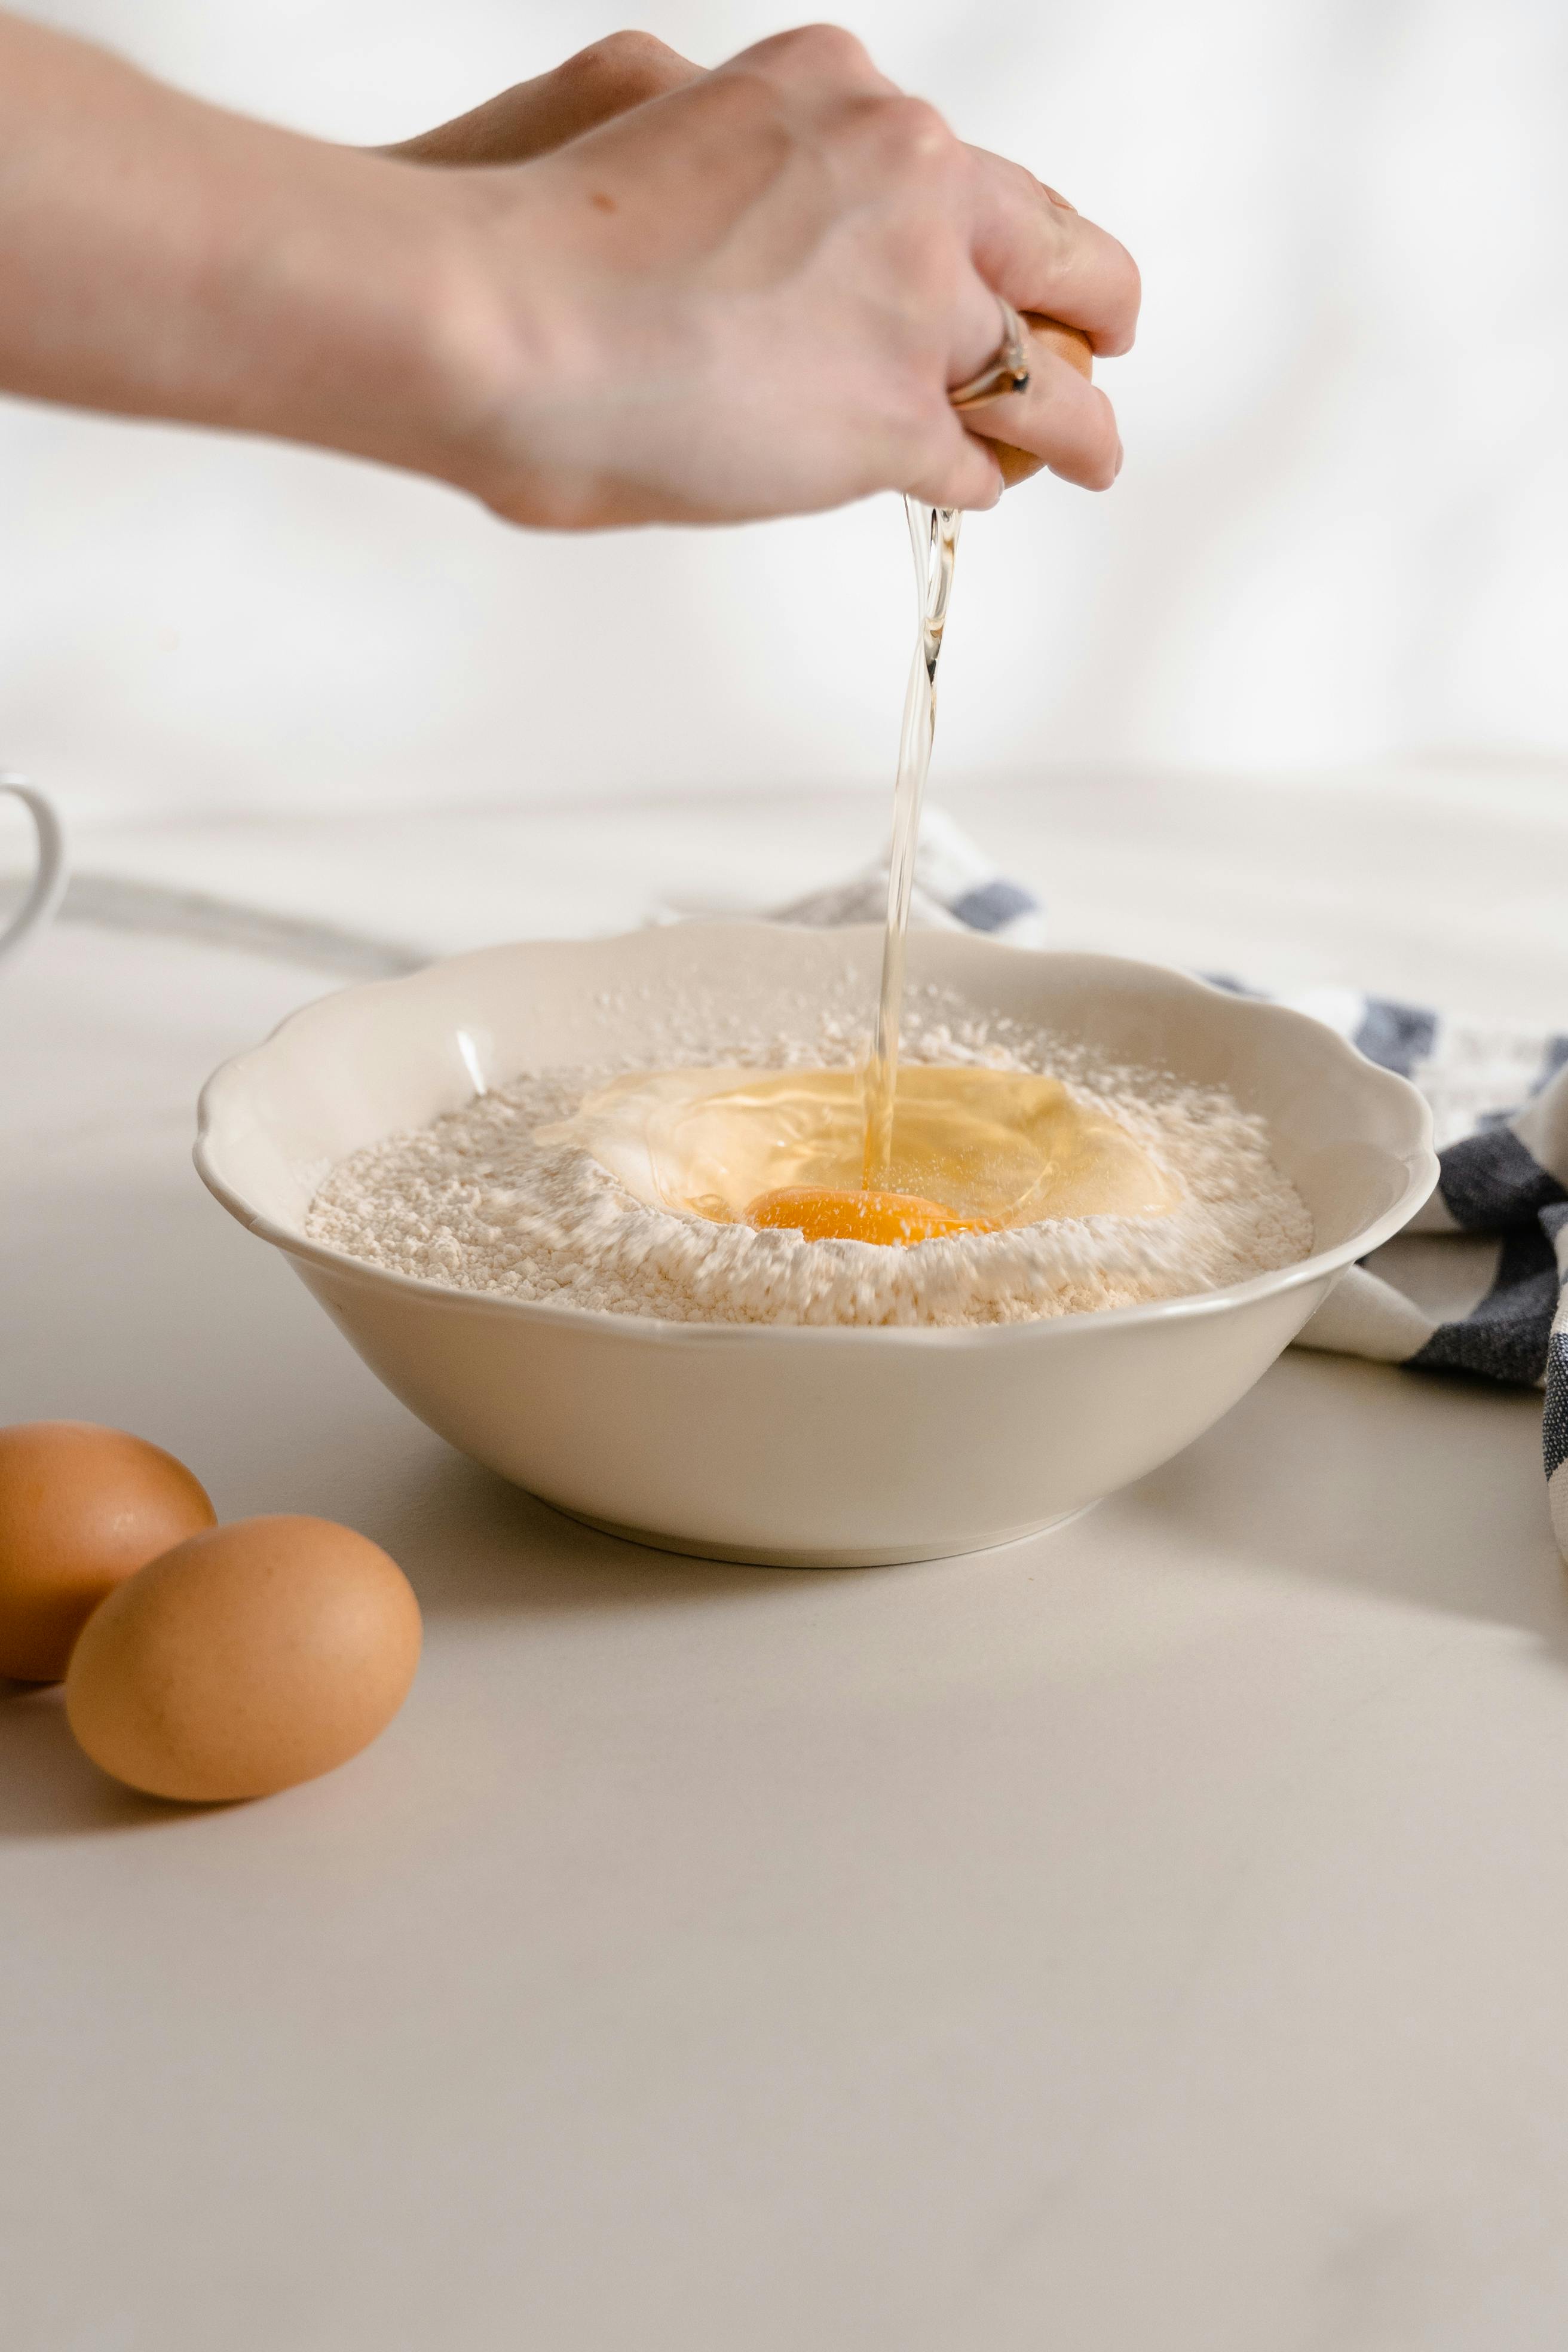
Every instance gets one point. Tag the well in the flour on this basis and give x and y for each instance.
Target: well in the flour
(505, 1197)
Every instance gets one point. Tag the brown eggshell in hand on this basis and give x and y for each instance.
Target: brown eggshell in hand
(250, 1658)
(81, 1508)
(1067, 344)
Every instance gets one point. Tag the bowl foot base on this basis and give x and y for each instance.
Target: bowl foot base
(769, 1555)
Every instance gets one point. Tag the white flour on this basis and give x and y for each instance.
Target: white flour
(472, 1202)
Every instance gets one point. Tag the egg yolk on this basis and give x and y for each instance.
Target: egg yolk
(974, 1150)
(820, 1213)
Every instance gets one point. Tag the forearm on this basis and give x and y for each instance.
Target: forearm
(628, 291)
(161, 258)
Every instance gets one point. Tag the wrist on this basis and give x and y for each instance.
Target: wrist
(510, 347)
(481, 335)
(352, 311)
(400, 313)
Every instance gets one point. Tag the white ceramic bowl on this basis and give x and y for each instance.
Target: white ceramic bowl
(831, 1447)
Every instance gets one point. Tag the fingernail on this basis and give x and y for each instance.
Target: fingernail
(1120, 453)
(1056, 199)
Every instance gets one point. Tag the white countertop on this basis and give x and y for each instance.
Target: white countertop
(1147, 1938)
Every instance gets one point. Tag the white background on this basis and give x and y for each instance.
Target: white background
(1339, 538)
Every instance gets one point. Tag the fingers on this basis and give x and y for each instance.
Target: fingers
(1017, 239)
(794, 225)
(606, 79)
(1060, 419)
(1065, 423)
(960, 472)
(1043, 255)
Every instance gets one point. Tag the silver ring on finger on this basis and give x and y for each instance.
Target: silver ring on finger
(1007, 370)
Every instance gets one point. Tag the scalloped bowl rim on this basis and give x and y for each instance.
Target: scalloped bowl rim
(1418, 1156)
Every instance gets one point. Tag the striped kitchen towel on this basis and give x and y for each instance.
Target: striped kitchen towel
(956, 888)
(1477, 1283)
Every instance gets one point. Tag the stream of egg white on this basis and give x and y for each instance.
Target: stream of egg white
(933, 535)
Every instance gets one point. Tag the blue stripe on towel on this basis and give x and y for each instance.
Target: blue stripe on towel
(1552, 1061)
(1505, 1338)
(1398, 1036)
(1491, 1182)
(993, 905)
(1554, 1422)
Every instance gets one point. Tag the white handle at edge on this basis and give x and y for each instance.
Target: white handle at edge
(49, 881)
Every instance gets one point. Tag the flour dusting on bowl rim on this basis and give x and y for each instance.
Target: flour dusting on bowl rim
(1418, 1159)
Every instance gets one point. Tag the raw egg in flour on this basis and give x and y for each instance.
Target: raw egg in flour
(973, 1149)
(820, 1214)
(81, 1508)
(247, 1659)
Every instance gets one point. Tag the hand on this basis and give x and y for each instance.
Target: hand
(633, 292)
(748, 294)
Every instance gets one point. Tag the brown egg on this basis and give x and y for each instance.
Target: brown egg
(80, 1509)
(245, 1659)
(1067, 344)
